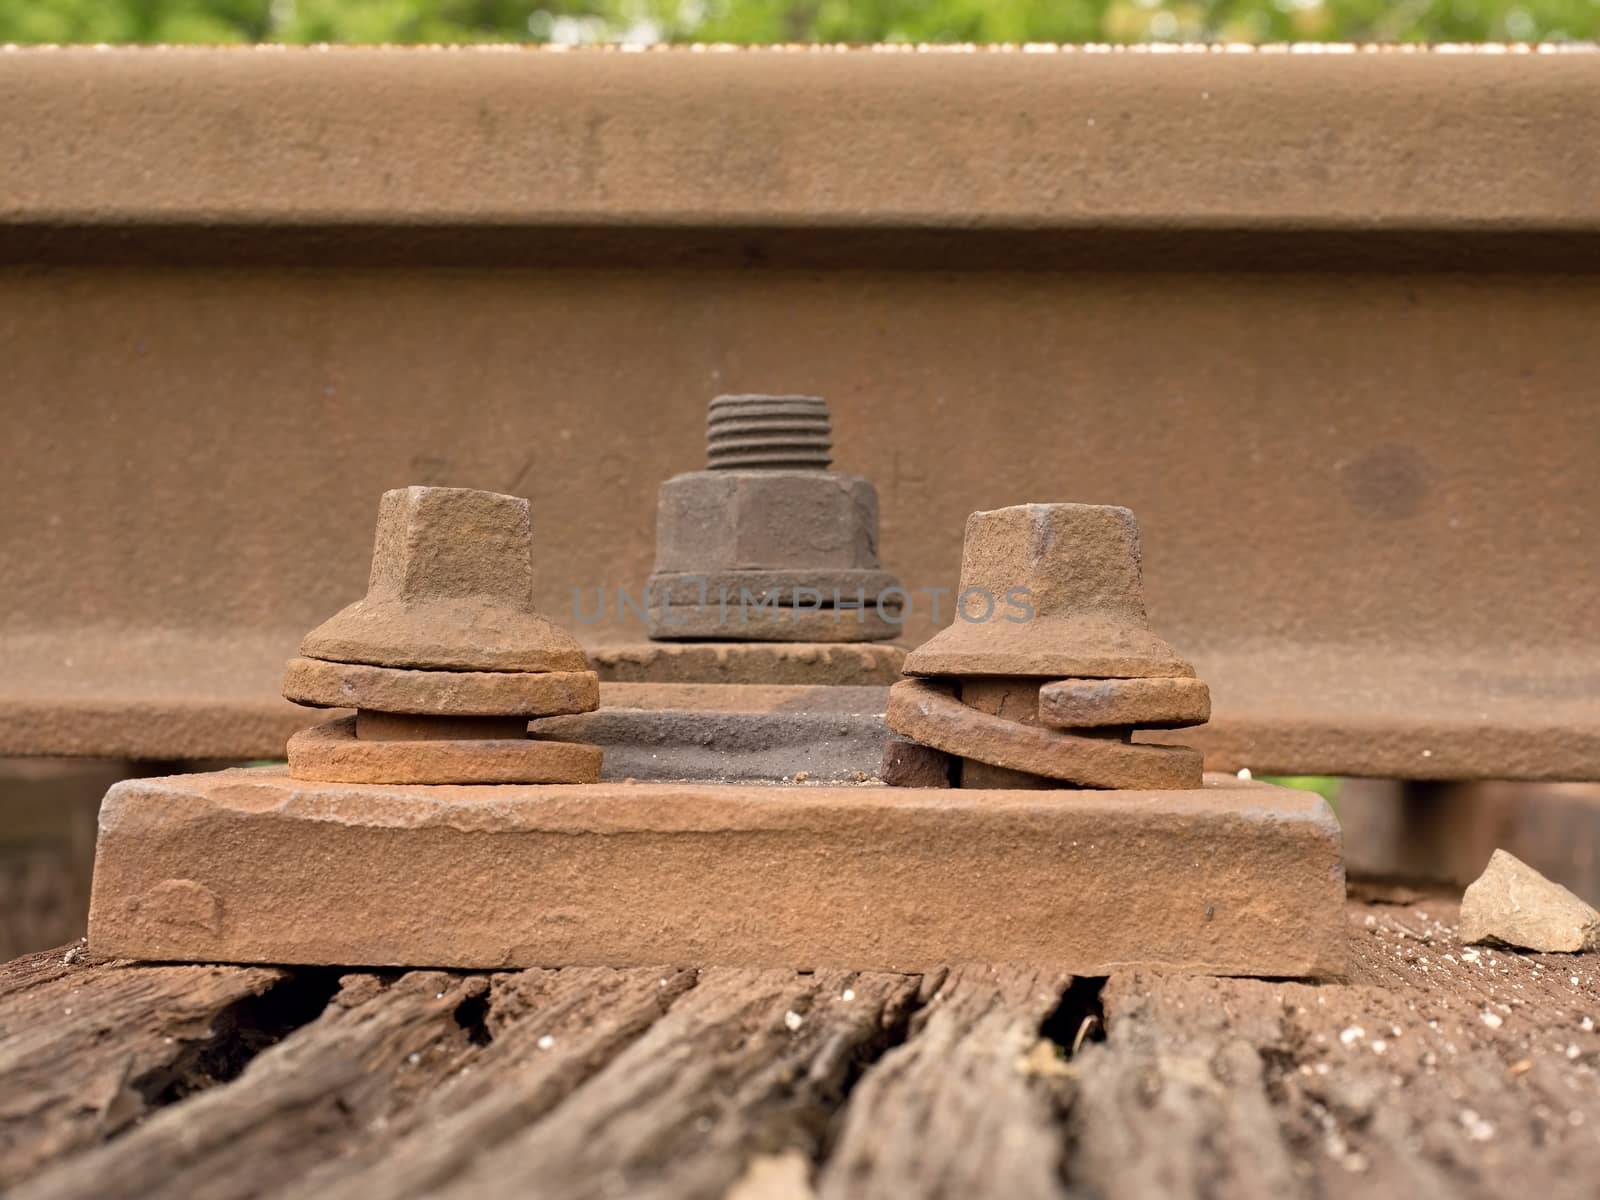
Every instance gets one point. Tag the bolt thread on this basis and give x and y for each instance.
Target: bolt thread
(772, 433)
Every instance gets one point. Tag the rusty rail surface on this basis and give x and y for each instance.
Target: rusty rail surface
(1325, 321)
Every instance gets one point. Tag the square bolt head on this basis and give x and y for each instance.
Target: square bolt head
(1076, 559)
(762, 520)
(1078, 568)
(449, 543)
(451, 589)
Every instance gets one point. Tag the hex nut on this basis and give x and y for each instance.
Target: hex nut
(788, 588)
(708, 521)
(774, 624)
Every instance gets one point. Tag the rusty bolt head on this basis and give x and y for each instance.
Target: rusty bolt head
(1050, 590)
(435, 543)
(451, 589)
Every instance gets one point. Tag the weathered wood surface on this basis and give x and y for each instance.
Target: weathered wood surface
(1434, 1071)
(958, 1110)
(86, 1049)
(312, 1096)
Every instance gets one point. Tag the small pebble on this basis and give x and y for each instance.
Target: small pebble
(1477, 1128)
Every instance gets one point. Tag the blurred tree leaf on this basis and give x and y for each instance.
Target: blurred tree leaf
(756, 21)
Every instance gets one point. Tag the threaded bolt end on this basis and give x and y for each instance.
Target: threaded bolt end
(771, 433)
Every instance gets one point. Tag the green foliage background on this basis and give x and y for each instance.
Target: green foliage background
(755, 21)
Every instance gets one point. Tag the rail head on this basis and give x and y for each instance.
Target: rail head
(785, 138)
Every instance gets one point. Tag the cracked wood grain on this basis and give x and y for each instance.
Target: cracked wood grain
(372, 1054)
(550, 1031)
(966, 1106)
(1436, 1070)
(749, 1063)
(87, 1048)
